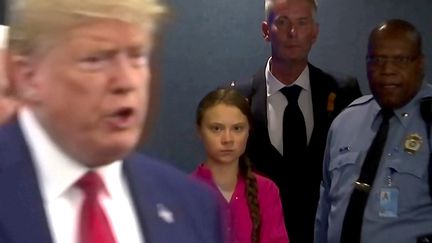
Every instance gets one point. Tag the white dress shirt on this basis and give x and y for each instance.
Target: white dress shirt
(276, 103)
(3, 36)
(57, 173)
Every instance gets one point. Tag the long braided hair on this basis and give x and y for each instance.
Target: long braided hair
(232, 97)
(252, 196)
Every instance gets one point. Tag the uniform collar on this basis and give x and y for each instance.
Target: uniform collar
(406, 112)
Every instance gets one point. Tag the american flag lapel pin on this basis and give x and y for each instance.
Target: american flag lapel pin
(164, 213)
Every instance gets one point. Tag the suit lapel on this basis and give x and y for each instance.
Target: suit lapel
(22, 214)
(259, 100)
(141, 195)
(259, 109)
(320, 92)
(153, 204)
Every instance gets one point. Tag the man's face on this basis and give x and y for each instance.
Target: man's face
(91, 90)
(291, 29)
(394, 69)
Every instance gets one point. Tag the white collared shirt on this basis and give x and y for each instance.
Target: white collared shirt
(57, 173)
(3, 36)
(276, 103)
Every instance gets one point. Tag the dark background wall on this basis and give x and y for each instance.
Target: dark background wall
(2, 11)
(211, 42)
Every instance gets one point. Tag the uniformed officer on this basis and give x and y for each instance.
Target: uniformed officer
(399, 207)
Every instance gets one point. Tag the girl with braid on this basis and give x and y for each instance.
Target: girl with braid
(251, 202)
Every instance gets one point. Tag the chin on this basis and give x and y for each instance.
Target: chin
(118, 147)
(109, 154)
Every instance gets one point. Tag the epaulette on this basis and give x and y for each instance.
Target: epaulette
(361, 101)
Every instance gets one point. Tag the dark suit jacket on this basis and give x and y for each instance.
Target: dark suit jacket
(23, 219)
(298, 181)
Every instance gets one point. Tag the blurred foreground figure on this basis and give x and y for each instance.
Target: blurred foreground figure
(8, 105)
(83, 71)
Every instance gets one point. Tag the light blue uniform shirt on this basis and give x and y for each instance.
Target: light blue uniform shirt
(348, 140)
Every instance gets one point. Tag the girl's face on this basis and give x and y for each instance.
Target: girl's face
(224, 131)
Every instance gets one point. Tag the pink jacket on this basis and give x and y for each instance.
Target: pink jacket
(239, 227)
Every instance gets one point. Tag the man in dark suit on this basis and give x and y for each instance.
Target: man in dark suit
(291, 29)
(67, 171)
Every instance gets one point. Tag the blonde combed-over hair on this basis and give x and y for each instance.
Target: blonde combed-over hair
(34, 23)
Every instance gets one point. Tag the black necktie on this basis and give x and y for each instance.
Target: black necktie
(294, 129)
(351, 229)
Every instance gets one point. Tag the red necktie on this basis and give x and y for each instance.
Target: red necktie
(94, 226)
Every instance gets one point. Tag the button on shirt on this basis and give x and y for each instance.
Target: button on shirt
(239, 226)
(57, 174)
(348, 141)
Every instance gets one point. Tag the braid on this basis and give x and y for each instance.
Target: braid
(252, 197)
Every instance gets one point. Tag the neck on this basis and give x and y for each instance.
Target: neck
(224, 176)
(287, 72)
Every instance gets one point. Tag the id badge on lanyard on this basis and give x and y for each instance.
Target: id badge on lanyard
(388, 199)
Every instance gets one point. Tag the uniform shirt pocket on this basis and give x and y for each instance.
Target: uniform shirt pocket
(408, 173)
(344, 170)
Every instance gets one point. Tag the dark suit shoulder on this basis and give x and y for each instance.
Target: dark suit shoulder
(337, 90)
(163, 172)
(248, 85)
(155, 182)
(337, 79)
(11, 143)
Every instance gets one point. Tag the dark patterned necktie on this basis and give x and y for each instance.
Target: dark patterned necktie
(294, 129)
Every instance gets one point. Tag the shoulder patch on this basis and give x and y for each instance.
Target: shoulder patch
(362, 100)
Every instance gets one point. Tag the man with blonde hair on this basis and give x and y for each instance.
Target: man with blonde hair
(84, 72)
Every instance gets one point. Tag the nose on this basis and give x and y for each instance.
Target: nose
(389, 67)
(227, 137)
(125, 76)
(292, 30)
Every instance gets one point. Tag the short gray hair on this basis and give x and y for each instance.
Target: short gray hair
(269, 4)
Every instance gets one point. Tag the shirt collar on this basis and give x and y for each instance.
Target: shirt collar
(3, 36)
(274, 85)
(406, 112)
(57, 172)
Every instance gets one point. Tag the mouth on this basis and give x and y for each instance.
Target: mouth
(227, 151)
(122, 118)
(292, 45)
(389, 86)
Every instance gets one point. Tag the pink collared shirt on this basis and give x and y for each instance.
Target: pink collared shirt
(239, 227)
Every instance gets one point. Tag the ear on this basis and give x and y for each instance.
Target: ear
(265, 29)
(21, 73)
